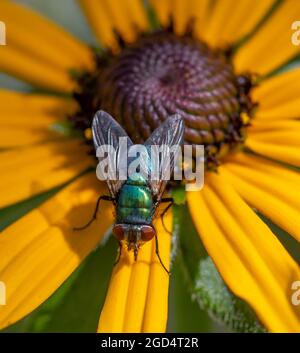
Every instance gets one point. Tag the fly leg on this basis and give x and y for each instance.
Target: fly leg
(103, 197)
(157, 253)
(171, 202)
(119, 255)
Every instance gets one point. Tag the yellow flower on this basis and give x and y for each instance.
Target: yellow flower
(40, 250)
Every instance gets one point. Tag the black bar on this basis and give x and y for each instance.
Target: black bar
(72, 342)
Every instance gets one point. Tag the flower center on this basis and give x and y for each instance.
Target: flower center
(162, 74)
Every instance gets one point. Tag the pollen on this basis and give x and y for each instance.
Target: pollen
(88, 134)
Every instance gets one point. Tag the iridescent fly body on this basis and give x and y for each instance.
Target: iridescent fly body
(136, 199)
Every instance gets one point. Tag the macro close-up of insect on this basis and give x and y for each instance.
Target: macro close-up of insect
(136, 199)
(149, 166)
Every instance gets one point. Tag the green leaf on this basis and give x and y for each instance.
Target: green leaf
(204, 281)
(212, 294)
(179, 195)
(185, 314)
(76, 305)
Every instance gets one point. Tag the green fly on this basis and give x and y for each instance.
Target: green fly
(137, 198)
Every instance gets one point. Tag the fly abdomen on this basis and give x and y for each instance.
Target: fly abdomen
(135, 204)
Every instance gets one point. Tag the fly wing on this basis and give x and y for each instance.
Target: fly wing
(169, 134)
(106, 131)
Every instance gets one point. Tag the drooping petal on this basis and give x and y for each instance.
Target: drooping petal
(288, 138)
(133, 16)
(30, 69)
(267, 202)
(260, 126)
(30, 171)
(30, 103)
(272, 45)
(27, 118)
(200, 11)
(100, 22)
(249, 257)
(275, 185)
(137, 298)
(226, 26)
(118, 12)
(183, 13)
(267, 166)
(107, 16)
(39, 251)
(285, 152)
(36, 36)
(20, 136)
(190, 12)
(278, 96)
(162, 10)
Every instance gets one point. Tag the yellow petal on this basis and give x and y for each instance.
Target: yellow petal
(163, 10)
(38, 252)
(121, 17)
(267, 203)
(137, 298)
(30, 171)
(28, 68)
(227, 26)
(156, 309)
(17, 136)
(39, 38)
(261, 125)
(284, 152)
(249, 257)
(30, 103)
(275, 185)
(106, 17)
(278, 96)
(187, 12)
(265, 165)
(287, 138)
(260, 55)
(26, 118)
(201, 12)
(100, 22)
(137, 14)
(26, 112)
(271, 46)
(181, 13)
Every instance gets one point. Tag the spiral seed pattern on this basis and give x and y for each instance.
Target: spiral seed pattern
(162, 74)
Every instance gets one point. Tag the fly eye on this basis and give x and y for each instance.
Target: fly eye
(147, 233)
(118, 231)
